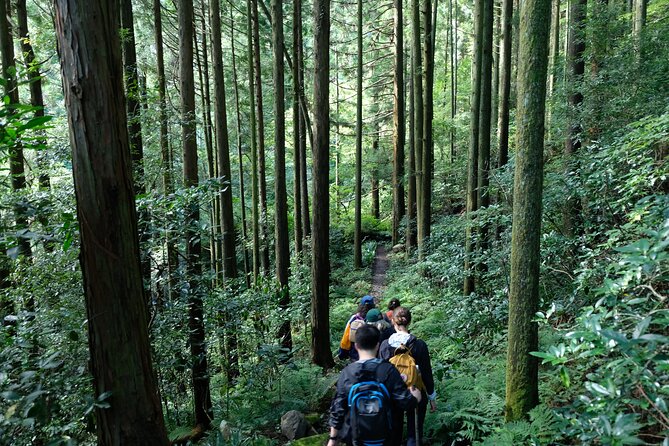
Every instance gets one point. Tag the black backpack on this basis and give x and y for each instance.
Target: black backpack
(369, 404)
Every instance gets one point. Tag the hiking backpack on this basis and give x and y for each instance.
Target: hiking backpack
(406, 365)
(354, 325)
(369, 404)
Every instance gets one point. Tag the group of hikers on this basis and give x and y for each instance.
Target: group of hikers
(389, 376)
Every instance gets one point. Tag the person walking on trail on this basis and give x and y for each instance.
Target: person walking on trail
(392, 304)
(369, 394)
(415, 353)
(375, 318)
(347, 347)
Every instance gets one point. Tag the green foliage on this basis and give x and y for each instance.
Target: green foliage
(617, 351)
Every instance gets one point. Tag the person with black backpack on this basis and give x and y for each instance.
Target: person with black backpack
(369, 394)
(411, 357)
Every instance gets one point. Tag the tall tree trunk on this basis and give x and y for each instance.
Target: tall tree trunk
(496, 47)
(34, 80)
(357, 234)
(37, 101)
(419, 111)
(454, 73)
(255, 214)
(640, 8)
(305, 127)
(118, 337)
(576, 69)
(132, 95)
(473, 156)
(165, 153)
(282, 247)
(223, 146)
(398, 122)
(200, 377)
(16, 168)
(134, 108)
(260, 118)
(505, 83)
(425, 203)
(297, 124)
(553, 57)
(522, 391)
(483, 198)
(240, 154)
(411, 189)
(214, 217)
(320, 269)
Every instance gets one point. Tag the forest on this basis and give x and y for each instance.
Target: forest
(196, 194)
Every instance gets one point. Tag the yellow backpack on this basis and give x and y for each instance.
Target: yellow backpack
(406, 365)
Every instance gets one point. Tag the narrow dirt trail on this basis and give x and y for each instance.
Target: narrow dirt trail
(379, 268)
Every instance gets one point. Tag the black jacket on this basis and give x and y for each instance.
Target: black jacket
(420, 354)
(386, 373)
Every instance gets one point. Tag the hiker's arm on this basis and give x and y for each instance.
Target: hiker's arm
(426, 373)
(332, 441)
(338, 407)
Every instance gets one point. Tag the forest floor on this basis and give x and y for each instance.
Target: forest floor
(379, 268)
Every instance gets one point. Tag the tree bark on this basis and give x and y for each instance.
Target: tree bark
(16, 160)
(305, 128)
(37, 101)
(454, 73)
(473, 156)
(411, 189)
(483, 198)
(260, 118)
(255, 214)
(165, 152)
(282, 247)
(223, 146)
(553, 57)
(425, 203)
(522, 391)
(505, 83)
(297, 128)
(240, 155)
(398, 122)
(357, 234)
(576, 69)
(34, 81)
(200, 375)
(90, 53)
(418, 116)
(320, 270)
(215, 249)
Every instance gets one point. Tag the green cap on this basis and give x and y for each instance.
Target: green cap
(373, 315)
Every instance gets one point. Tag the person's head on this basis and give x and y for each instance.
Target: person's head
(394, 303)
(366, 304)
(367, 338)
(401, 317)
(373, 315)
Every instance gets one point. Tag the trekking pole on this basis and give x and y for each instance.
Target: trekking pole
(416, 426)
(416, 413)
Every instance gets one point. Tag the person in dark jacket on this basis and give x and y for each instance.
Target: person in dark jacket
(375, 318)
(367, 340)
(421, 355)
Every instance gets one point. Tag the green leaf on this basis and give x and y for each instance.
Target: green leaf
(10, 395)
(641, 327)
